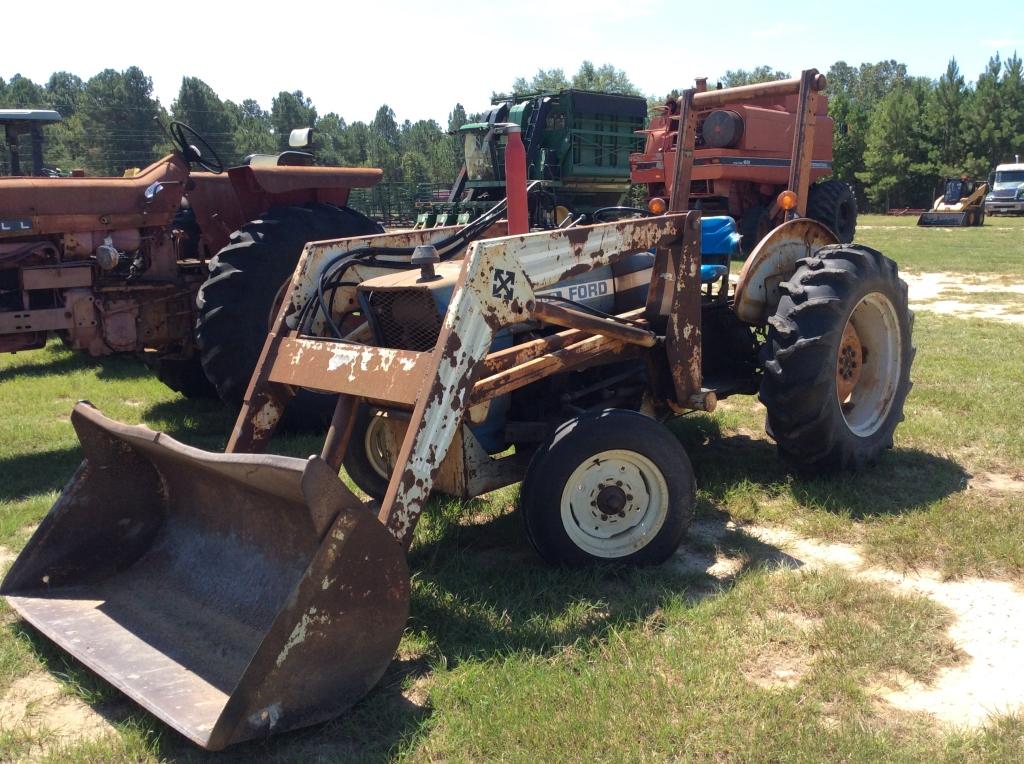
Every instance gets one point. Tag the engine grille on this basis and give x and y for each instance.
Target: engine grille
(405, 319)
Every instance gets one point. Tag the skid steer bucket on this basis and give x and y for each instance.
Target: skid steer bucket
(943, 219)
(232, 595)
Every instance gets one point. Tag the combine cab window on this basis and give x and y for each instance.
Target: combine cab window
(478, 157)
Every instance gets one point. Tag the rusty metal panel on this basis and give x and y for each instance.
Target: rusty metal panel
(682, 334)
(566, 359)
(774, 258)
(576, 319)
(49, 319)
(682, 169)
(359, 370)
(803, 139)
(60, 277)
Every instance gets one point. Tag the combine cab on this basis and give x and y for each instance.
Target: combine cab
(962, 204)
(744, 141)
(577, 155)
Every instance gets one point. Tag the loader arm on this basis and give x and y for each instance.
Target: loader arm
(496, 288)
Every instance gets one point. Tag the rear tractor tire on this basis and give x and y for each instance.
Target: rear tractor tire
(238, 302)
(608, 487)
(838, 358)
(754, 225)
(833, 204)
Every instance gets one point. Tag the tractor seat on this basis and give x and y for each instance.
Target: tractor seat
(719, 241)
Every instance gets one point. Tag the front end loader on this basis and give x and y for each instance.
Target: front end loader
(241, 594)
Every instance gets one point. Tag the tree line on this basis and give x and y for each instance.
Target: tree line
(895, 135)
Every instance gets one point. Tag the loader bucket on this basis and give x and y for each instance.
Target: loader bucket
(946, 219)
(232, 595)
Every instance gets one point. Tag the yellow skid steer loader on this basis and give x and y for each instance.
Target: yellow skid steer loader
(962, 204)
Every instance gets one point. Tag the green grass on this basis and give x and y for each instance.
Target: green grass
(506, 658)
(995, 247)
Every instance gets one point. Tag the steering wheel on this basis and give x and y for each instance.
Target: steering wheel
(607, 214)
(195, 148)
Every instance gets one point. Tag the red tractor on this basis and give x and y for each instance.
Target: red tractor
(182, 268)
(742, 156)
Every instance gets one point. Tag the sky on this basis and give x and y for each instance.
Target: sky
(421, 58)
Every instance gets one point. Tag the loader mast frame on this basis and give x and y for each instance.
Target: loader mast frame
(496, 288)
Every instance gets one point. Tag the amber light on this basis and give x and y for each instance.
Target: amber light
(657, 206)
(787, 200)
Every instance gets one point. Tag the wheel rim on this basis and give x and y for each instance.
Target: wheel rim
(379, 445)
(868, 364)
(614, 503)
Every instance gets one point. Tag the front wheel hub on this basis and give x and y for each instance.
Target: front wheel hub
(849, 363)
(614, 503)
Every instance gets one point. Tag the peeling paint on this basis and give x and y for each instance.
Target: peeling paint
(299, 633)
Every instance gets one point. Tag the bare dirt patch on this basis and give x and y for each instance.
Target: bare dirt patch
(700, 554)
(36, 704)
(989, 630)
(945, 292)
(782, 660)
(776, 667)
(996, 482)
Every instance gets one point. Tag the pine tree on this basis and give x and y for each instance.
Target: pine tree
(201, 109)
(119, 121)
(984, 132)
(253, 131)
(288, 112)
(896, 164)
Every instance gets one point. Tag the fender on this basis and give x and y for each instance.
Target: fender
(772, 262)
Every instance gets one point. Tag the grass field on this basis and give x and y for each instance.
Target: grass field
(506, 658)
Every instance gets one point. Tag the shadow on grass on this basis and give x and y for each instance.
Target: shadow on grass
(191, 420)
(38, 472)
(479, 592)
(903, 480)
(207, 423)
(54, 360)
(201, 423)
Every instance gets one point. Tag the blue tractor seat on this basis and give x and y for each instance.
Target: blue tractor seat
(719, 241)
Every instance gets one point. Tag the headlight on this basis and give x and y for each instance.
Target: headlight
(1020, 193)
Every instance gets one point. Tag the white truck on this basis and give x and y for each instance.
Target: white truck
(1006, 190)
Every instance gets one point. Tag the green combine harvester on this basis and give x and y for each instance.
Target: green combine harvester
(577, 155)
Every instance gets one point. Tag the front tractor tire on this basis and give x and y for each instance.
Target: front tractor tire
(838, 357)
(608, 487)
(238, 302)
